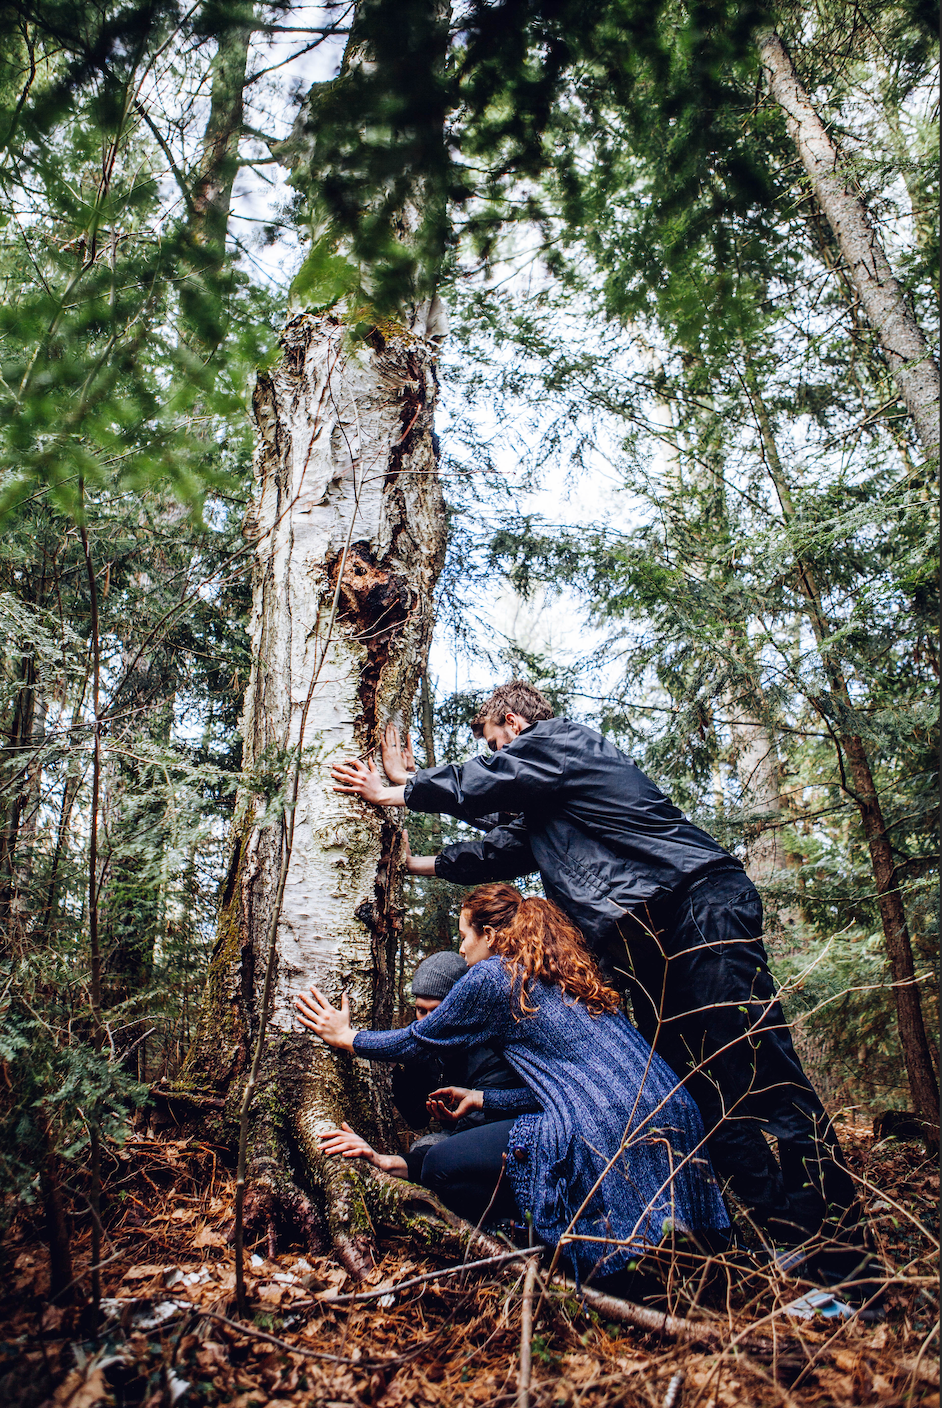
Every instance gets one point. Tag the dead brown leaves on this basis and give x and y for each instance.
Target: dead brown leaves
(168, 1292)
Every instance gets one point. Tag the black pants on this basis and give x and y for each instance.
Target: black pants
(704, 998)
(466, 1172)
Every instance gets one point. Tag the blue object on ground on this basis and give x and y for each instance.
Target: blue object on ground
(821, 1303)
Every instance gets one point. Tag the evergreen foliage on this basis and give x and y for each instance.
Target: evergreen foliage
(127, 334)
(712, 358)
(639, 280)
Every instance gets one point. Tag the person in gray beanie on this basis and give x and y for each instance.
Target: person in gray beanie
(434, 979)
(477, 1069)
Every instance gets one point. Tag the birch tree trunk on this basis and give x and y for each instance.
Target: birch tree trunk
(753, 755)
(349, 524)
(881, 295)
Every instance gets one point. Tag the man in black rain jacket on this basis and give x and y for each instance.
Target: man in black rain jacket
(667, 911)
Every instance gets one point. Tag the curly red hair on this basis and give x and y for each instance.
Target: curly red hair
(536, 941)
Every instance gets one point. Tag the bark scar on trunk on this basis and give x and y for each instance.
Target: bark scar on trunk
(376, 602)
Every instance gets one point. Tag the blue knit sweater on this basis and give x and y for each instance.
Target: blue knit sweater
(605, 1098)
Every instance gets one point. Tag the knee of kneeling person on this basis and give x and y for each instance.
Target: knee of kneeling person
(436, 1166)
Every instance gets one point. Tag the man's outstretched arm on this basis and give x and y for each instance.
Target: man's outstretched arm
(416, 865)
(503, 854)
(528, 772)
(522, 773)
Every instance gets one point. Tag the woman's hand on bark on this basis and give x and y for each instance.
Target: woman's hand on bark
(451, 1103)
(346, 1144)
(398, 759)
(332, 1024)
(363, 780)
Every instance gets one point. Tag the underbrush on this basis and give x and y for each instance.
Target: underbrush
(169, 1333)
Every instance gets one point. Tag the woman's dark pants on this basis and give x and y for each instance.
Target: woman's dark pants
(704, 998)
(466, 1171)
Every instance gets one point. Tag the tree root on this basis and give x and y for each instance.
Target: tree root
(356, 1200)
(275, 1204)
(349, 1202)
(332, 1205)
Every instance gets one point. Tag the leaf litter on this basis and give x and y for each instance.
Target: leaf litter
(169, 1333)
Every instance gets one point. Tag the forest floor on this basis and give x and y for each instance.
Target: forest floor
(170, 1337)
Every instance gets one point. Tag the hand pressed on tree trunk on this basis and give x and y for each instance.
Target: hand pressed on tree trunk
(348, 1145)
(331, 1024)
(363, 780)
(398, 758)
(360, 779)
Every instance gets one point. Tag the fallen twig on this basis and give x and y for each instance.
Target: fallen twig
(526, 1334)
(656, 1320)
(363, 1363)
(429, 1276)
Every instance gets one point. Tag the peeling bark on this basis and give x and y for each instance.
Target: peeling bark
(884, 302)
(349, 525)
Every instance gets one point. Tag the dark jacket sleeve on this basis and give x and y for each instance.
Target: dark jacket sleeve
(502, 854)
(411, 1086)
(528, 770)
(490, 820)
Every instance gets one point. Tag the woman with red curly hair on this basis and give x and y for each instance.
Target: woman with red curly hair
(600, 1147)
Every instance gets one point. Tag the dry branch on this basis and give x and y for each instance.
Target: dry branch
(526, 1334)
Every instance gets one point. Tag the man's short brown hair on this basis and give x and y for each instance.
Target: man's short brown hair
(516, 697)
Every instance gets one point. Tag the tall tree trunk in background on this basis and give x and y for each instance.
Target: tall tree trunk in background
(139, 828)
(753, 755)
(860, 786)
(26, 888)
(219, 163)
(881, 295)
(18, 764)
(349, 524)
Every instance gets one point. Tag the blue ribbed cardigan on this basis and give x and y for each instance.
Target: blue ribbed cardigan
(604, 1097)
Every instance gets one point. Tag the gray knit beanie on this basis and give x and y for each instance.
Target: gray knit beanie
(437, 974)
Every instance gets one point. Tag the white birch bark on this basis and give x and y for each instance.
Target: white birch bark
(753, 755)
(881, 296)
(347, 475)
(350, 531)
(350, 528)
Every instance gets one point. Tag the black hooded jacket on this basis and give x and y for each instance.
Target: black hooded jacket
(478, 1068)
(605, 840)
